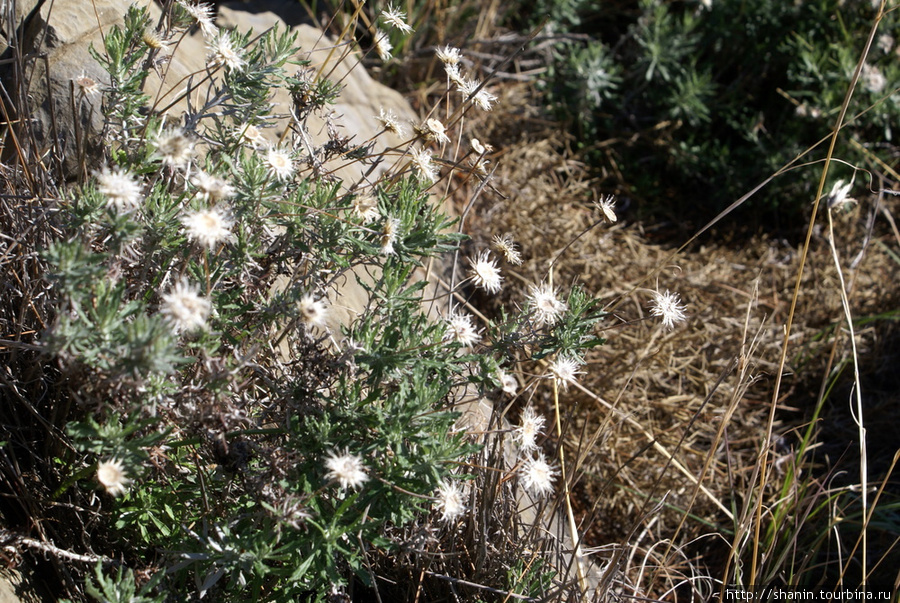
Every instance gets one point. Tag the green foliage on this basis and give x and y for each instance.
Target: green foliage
(686, 98)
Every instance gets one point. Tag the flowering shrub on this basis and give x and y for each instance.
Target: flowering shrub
(247, 445)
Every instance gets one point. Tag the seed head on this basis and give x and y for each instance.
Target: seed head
(508, 382)
(668, 307)
(210, 187)
(224, 53)
(88, 86)
(485, 273)
(389, 234)
(203, 14)
(565, 370)
(366, 207)
(545, 305)
(433, 130)
(424, 165)
(505, 246)
(383, 45)
(346, 468)
(527, 433)
(607, 207)
(461, 329)
(251, 135)
(174, 147)
(312, 311)
(397, 19)
(389, 122)
(448, 55)
(537, 475)
(281, 165)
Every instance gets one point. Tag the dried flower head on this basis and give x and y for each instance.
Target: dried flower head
(508, 382)
(313, 311)
(389, 233)
(564, 370)
(433, 130)
(389, 122)
(202, 13)
(122, 191)
(112, 476)
(485, 273)
(461, 330)
(174, 147)
(448, 55)
(209, 227)
(424, 165)
(668, 307)
(456, 77)
(839, 195)
(366, 207)
(545, 305)
(527, 433)
(87, 86)
(397, 19)
(184, 308)
(505, 246)
(480, 148)
(154, 40)
(250, 134)
(537, 475)
(450, 501)
(345, 468)
(224, 53)
(607, 207)
(210, 187)
(281, 165)
(383, 45)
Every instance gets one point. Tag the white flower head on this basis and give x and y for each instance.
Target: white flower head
(202, 13)
(839, 194)
(313, 311)
(508, 382)
(389, 233)
(448, 55)
(450, 501)
(224, 53)
(424, 165)
(87, 85)
(365, 206)
(537, 475)
(112, 476)
(174, 147)
(485, 273)
(281, 165)
(397, 19)
(210, 187)
(461, 330)
(383, 45)
(564, 370)
(456, 77)
(531, 427)
(389, 122)
(668, 307)
(122, 191)
(250, 134)
(209, 227)
(346, 468)
(545, 305)
(434, 130)
(184, 308)
(607, 207)
(154, 40)
(506, 246)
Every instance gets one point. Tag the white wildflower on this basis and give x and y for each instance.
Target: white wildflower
(389, 122)
(545, 304)
(383, 45)
(668, 307)
(209, 227)
(184, 308)
(448, 55)
(527, 433)
(122, 191)
(434, 130)
(112, 476)
(174, 147)
(281, 165)
(210, 187)
(450, 501)
(366, 207)
(389, 233)
(346, 468)
(87, 86)
(424, 165)
(202, 13)
(485, 273)
(838, 195)
(224, 53)
(506, 246)
(397, 19)
(154, 40)
(313, 311)
(564, 370)
(461, 329)
(508, 382)
(537, 475)
(607, 207)
(251, 135)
